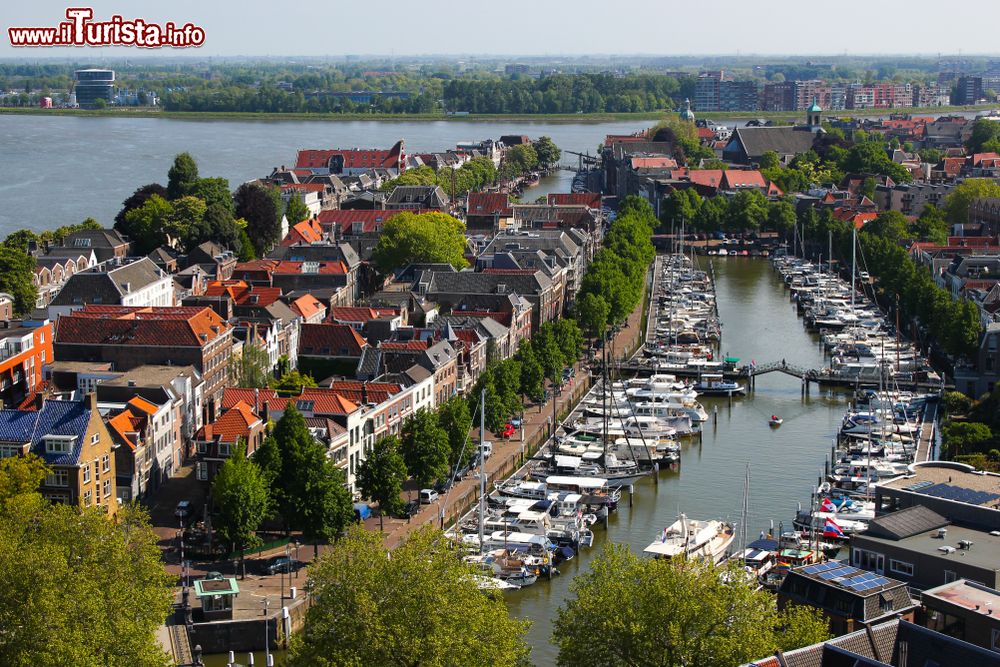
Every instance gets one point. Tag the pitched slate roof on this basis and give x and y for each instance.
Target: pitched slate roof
(782, 140)
(67, 418)
(906, 523)
(97, 285)
(93, 238)
(130, 325)
(468, 282)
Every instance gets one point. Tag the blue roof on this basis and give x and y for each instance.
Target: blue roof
(69, 418)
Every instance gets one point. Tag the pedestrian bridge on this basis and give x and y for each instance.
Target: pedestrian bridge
(776, 367)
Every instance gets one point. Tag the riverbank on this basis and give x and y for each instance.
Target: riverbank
(603, 117)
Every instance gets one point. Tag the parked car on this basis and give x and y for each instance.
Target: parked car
(509, 431)
(516, 422)
(279, 564)
(428, 496)
(183, 509)
(487, 449)
(409, 509)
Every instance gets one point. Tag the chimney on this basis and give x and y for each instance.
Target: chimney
(91, 400)
(264, 411)
(364, 392)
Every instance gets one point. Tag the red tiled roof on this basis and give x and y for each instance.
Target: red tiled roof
(324, 401)
(952, 165)
(132, 325)
(706, 133)
(141, 404)
(125, 423)
(739, 178)
(366, 392)
(306, 231)
(975, 241)
(488, 203)
(282, 267)
(588, 199)
(243, 294)
(236, 422)
(307, 306)
(330, 340)
(353, 158)
(352, 314)
(404, 345)
(977, 158)
(658, 162)
(304, 187)
(707, 177)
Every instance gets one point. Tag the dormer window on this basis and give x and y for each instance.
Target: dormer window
(59, 444)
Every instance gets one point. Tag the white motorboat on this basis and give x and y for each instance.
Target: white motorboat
(692, 538)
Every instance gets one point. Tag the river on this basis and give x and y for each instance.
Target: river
(759, 322)
(61, 169)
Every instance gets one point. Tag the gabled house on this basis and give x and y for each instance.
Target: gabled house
(73, 441)
(417, 197)
(216, 441)
(352, 161)
(330, 349)
(138, 283)
(487, 212)
(147, 437)
(107, 244)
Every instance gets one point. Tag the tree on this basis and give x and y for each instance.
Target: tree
(748, 210)
(425, 237)
(870, 157)
(242, 498)
(296, 211)
(80, 589)
(983, 131)
(20, 239)
(147, 226)
(292, 383)
(182, 176)
(100, 103)
(251, 368)
(546, 150)
(260, 205)
(381, 476)
(425, 448)
(17, 273)
(569, 337)
(268, 459)
(781, 216)
(932, 225)
(532, 373)
(678, 613)
(313, 495)
(890, 225)
(965, 438)
(592, 314)
(137, 199)
(681, 206)
(418, 605)
(519, 159)
(20, 476)
(454, 417)
(769, 160)
(956, 204)
(186, 221)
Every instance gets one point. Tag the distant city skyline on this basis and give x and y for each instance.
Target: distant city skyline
(523, 28)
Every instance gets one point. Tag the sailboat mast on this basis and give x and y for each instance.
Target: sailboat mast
(854, 263)
(746, 509)
(482, 470)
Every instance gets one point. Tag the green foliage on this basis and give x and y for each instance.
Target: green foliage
(748, 210)
(148, 225)
(426, 448)
(77, 588)
(769, 160)
(956, 204)
(956, 403)
(931, 155)
(21, 476)
(296, 210)
(532, 372)
(17, 272)
(311, 490)
(871, 158)
(381, 475)
(681, 206)
(677, 614)
(569, 338)
(932, 225)
(781, 216)
(476, 174)
(182, 176)
(261, 206)
(517, 160)
(242, 499)
(547, 151)
(292, 383)
(418, 605)
(890, 225)
(425, 237)
(268, 459)
(965, 438)
(592, 313)
(456, 420)
(984, 130)
(246, 252)
(137, 199)
(251, 368)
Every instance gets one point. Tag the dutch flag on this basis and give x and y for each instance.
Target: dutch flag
(831, 529)
(827, 506)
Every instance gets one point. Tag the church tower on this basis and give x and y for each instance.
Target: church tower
(813, 115)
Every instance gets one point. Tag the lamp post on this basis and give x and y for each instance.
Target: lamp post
(296, 557)
(267, 645)
(288, 555)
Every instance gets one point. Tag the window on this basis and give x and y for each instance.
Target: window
(106, 463)
(949, 576)
(201, 471)
(107, 488)
(58, 444)
(901, 567)
(223, 449)
(6, 451)
(995, 640)
(202, 447)
(94, 439)
(88, 498)
(886, 603)
(86, 474)
(57, 477)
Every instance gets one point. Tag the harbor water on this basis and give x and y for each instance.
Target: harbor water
(759, 323)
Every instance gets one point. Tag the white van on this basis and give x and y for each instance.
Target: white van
(428, 496)
(487, 449)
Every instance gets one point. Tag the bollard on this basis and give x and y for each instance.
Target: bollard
(631, 491)
(656, 473)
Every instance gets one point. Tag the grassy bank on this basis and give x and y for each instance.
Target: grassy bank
(525, 118)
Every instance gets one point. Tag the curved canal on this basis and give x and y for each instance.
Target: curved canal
(759, 322)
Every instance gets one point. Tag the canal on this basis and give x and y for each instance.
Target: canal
(759, 322)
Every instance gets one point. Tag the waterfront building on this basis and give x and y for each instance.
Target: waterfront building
(353, 161)
(92, 85)
(965, 610)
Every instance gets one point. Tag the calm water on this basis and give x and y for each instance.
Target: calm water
(61, 169)
(759, 322)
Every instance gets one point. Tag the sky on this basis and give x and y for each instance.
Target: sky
(538, 27)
